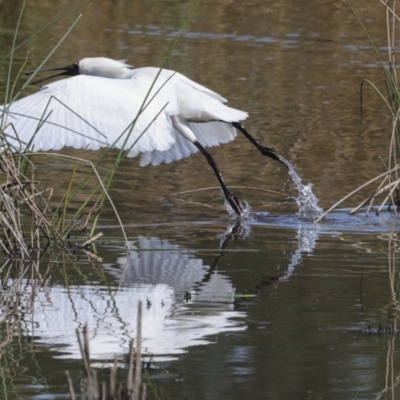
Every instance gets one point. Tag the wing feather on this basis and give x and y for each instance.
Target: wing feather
(209, 134)
(93, 112)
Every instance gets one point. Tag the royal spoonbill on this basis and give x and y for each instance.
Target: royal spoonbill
(178, 116)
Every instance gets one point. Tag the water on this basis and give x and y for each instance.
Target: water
(244, 213)
(306, 199)
(272, 305)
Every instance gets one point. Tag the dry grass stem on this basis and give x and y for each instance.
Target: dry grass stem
(105, 192)
(21, 195)
(92, 256)
(196, 203)
(92, 389)
(70, 387)
(138, 364)
(390, 178)
(91, 240)
(357, 190)
(231, 187)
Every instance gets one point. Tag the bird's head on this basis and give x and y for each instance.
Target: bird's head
(95, 66)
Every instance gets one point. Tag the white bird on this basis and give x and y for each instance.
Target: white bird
(156, 112)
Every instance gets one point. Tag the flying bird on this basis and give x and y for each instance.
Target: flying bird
(155, 112)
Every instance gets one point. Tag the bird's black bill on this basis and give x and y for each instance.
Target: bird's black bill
(69, 70)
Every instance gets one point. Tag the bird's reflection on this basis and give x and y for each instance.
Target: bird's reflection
(166, 264)
(307, 236)
(185, 301)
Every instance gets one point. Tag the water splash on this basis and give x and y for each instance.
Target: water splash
(245, 213)
(239, 229)
(306, 200)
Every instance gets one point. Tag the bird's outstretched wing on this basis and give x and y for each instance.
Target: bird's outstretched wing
(93, 112)
(209, 134)
(204, 110)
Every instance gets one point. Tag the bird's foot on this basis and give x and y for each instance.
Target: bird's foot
(237, 206)
(273, 153)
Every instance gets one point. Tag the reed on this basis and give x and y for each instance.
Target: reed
(90, 387)
(25, 214)
(49, 225)
(388, 183)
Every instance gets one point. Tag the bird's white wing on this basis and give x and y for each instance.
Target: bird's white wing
(209, 134)
(182, 148)
(93, 112)
(199, 87)
(199, 104)
(196, 103)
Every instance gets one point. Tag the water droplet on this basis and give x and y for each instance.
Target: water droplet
(306, 200)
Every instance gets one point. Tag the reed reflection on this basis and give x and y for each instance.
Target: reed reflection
(185, 301)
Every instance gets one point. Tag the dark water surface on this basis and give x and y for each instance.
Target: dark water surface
(283, 312)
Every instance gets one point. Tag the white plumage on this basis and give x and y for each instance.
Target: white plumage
(94, 111)
(156, 112)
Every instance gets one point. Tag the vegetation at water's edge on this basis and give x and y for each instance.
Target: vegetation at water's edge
(388, 183)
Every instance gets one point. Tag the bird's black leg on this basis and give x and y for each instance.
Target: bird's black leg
(234, 202)
(266, 151)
